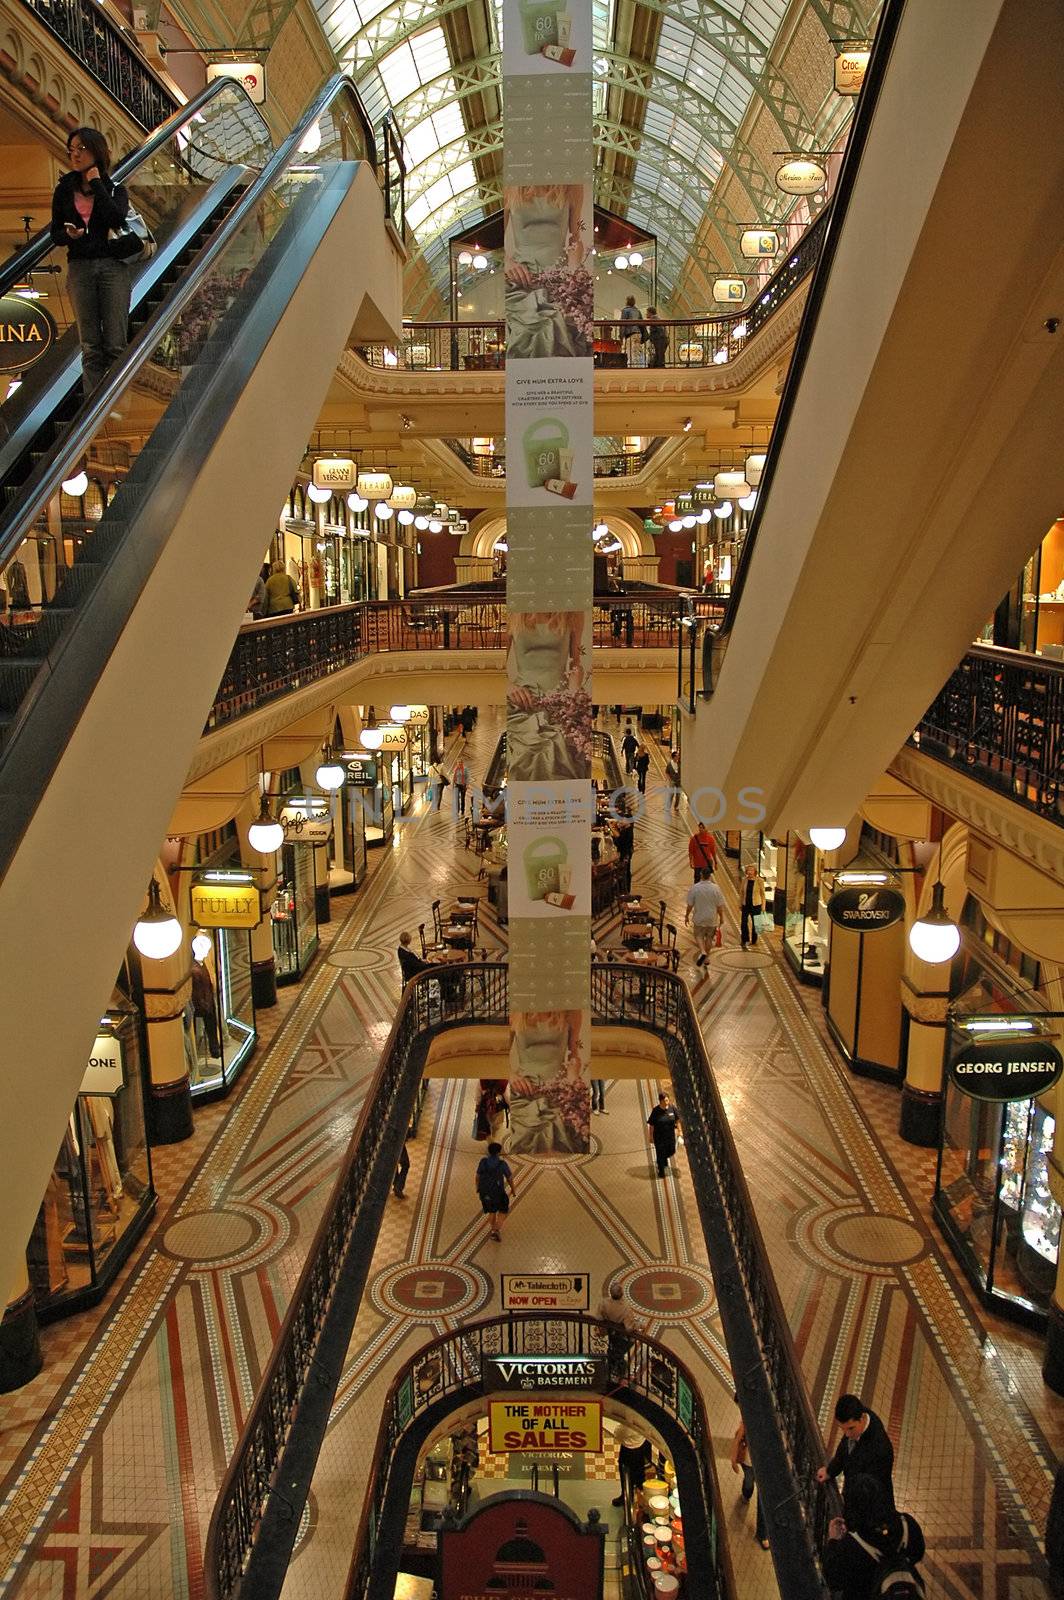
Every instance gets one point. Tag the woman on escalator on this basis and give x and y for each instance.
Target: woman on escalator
(87, 207)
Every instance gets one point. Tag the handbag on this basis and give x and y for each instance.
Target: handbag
(133, 238)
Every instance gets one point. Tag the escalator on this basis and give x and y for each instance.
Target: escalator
(107, 678)
(915, 459)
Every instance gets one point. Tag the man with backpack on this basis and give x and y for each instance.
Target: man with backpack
(873, 1552)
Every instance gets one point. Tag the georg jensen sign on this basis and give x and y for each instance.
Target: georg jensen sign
(1006, 1069)
(865, 909)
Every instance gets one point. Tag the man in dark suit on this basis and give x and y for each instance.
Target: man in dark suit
(864, 1447)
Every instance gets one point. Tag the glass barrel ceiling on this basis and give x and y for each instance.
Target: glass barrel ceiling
(678, 86)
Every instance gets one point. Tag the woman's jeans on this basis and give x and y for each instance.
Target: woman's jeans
(99, 290)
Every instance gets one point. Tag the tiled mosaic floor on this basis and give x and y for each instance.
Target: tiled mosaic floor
(115, 1454)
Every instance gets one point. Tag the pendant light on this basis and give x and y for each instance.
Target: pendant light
(935, 937)
(382, 511)
(827, 838)
(330, 774)
(371, 738)
(399, 714)
(201, 945)
(319, 496)
(265, 834)
(76, 486)
(157, 933)
(357, 502)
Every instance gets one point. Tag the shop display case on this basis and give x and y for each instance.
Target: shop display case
(805, 936)
(100, 1195)
(993, 1202)
(219, 1019)
(293, 914)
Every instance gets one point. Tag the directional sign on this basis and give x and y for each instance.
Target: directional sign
(553, 1291)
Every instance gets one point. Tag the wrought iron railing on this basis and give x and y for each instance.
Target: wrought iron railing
(393, 176)
(105, 52)
(272, 658)
(999, 718)
(252, 1530)
(449, 1369)
(710, 339)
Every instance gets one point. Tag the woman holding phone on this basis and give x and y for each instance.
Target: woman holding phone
(86, 206)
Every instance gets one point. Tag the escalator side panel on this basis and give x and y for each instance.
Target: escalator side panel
(88, 844)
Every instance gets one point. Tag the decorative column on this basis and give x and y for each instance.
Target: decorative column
(548, 168)
(20, 1344)
(921, 1093)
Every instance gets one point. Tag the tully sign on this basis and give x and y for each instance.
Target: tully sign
(865, 909)
(542, 1372)
(226, 905)
(1006, 1069)
(26, 333)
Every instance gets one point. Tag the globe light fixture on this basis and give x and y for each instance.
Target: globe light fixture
(748, 501)
(827, 838)
(690, 521)
(382, 511)
(480, 263)
(704, 516)
(76, 485)
(265, 834)
(330, 774)
(465, 258)
(201, 945)
(676, 525)
(157, 933)
(371, 738)
(601, 530)
(399, 713)
(723, 510)
(621, 263)
(435, 525)
(421, 523)
(405, 517)
(635, 259)
(935, 937)
(720, 357)
(357, 502)
(319, 496)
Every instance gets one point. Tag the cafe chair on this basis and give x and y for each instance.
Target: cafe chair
(426, 948)
(661, 918)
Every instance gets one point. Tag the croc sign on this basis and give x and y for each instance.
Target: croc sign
(1006, 1069)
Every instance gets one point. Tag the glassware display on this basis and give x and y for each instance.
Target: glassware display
(219, 1018)
(293, 913)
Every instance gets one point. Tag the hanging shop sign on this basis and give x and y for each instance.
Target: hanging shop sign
(27, 332)
(651, 525)
(226, 900)
(757, 243)
(361, 771)
(685, 504)
(1006, 1069)
(374, 485)
(544, 1425)
(252, 74)
(306, 820)
(426, 504)
(702, 496)
(554, 1291)
(403, 497)
(417, 716)
(542, 1372)
(393, 737)
(801, 176)
(865, 908)
(106, 1070)
(334, 472)
(850, 66)
(729, 291)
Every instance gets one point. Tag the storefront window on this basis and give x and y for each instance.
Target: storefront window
(805, 939)
(369, 788)
(100, 1195)
(293, 913)
(219, 1019)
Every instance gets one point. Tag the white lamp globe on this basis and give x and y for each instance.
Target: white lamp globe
(676, 525)
(480, 263)
(405, 517)
(319, 496)
(76, 485)
(827, 838)
(621, 263)
(201, 945)
(421, 523)
(704, 516)
(723, 510)
(935, 937)
(465, 258)
(399, 713)
(435, 525)
(265, 834)
(371, 738)
(689, 521)
(382, 511)
(635, 259)
(357, 502)
(157, 933)
(330, 774)
(748, 501)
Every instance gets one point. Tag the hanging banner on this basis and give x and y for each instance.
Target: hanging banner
(850, 67)
(252, 74)
(548, 234)
(756, 243)
(544, 1425)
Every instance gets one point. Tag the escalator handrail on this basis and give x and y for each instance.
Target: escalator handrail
(875, 73)
(25, 259)
(51, 472)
